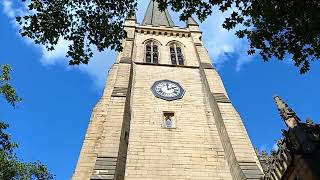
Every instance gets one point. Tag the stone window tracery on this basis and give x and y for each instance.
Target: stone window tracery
(152, 52)
(176, 54)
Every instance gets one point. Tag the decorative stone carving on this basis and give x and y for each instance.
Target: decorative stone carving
(299, 148)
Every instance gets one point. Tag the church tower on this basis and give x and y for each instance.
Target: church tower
(165, 113)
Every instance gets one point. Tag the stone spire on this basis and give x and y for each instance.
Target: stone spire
(286, 113)
(156, 17)
(192, 22)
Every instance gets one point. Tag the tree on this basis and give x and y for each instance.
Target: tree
(6, 89)
(10, 166)
(274, 28)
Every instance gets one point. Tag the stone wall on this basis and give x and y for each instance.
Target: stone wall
(192, 150)
(89, 151)
(126, 138)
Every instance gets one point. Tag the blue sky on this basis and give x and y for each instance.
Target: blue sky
(51, 121)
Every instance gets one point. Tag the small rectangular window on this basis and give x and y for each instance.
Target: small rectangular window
(169, 120)
(126, 137)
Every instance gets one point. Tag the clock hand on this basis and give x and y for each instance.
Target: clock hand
(172, 87)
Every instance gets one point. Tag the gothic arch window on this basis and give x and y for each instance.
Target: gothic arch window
(176, 54)
(152, 51)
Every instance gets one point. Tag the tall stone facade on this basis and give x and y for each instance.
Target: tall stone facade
(165, 113)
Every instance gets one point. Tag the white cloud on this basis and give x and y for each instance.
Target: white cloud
(97, 68)
(222, 44)
(243, 58)
(8, 8)
(99, 65)
(58, 55)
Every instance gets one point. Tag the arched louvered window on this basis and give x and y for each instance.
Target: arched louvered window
(176, 54)
(152, 52)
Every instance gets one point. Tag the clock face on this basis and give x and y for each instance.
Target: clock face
(168, 90)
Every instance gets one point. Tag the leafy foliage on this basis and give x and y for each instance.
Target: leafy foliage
(5, 88)
(274, 28)
(84, 23)
(11, 168)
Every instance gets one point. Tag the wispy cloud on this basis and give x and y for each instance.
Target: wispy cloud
(222, 44)
(97, 68)
(58, 55)
(8, 8)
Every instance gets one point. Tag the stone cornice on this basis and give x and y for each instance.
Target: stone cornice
(161, 30)
(168, 65)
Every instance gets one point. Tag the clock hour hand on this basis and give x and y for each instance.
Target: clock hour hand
(172, 87)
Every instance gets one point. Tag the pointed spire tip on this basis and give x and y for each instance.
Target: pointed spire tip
(191, 21)
(286, 113)
(156, 17)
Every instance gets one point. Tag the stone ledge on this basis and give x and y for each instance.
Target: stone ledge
(221, 98)
(167, 65)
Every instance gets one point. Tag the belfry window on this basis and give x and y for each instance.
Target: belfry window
(152, 52)
(176, 54)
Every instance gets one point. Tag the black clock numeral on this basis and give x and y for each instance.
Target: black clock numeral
(167, 90)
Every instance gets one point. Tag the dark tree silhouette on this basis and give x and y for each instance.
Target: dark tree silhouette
(274, 28)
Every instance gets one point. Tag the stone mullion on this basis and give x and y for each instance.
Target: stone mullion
(175, 53)
(151, 47)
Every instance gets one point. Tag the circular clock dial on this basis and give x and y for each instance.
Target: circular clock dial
(167, 89)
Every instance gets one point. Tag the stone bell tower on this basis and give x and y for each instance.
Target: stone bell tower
(165, 113)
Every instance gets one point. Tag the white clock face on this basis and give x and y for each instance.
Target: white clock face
(167, 90)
